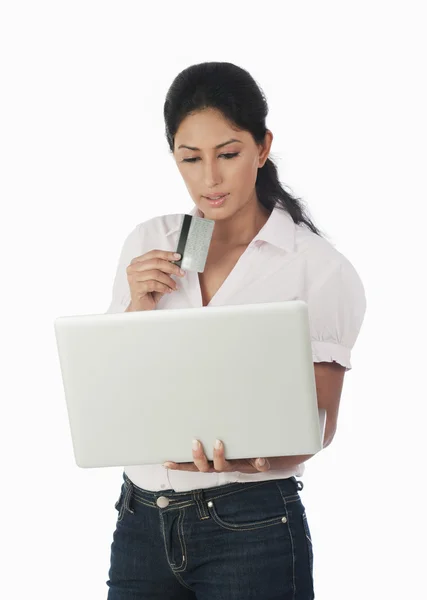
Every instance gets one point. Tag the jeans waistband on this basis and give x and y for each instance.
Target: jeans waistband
(179, 499)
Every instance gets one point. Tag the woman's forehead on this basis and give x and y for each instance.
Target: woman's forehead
(206, 131)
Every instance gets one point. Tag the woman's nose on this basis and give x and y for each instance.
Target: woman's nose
(212, 174)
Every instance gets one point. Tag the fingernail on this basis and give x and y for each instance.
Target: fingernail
(176, 255)
(195, 444)
(261, 462)
(167, 465)
(182, 272)
(218, 445)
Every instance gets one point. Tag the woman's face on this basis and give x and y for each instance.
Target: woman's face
(207, 170)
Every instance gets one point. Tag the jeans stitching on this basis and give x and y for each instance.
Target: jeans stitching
(292, 542)
(149, 504)
(166, 509)
(200, 505)
(305, 528)
(170, 508)
(180, 528)
(246, 487)
(309, 544)
(121, 504)
(171, 500)
(248, 527)
(184, 504)
(162, 532)
(127, 500)
(182, 582)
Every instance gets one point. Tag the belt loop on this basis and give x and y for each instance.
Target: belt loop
(199, 500)
(126, 500)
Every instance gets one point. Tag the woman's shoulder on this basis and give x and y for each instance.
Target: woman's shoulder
(319, 251)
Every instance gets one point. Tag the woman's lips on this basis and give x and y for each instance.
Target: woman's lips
(216, 200)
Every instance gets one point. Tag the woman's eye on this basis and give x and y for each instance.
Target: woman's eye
(227, 156)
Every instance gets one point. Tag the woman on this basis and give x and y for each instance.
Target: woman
(229, 529)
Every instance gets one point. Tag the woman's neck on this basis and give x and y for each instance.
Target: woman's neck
(241, 227)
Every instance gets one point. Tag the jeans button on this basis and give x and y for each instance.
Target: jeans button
(162, 502)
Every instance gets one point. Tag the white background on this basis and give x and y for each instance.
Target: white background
(84, 159)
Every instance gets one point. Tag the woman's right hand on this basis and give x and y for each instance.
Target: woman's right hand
(149, 278)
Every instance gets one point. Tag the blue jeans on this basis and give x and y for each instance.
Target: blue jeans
(238, 541)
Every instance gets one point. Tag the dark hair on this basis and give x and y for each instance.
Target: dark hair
(232, 91)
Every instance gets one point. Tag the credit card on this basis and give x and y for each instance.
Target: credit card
(194, 241)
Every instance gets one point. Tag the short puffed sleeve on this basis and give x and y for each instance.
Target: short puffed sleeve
(336, 306)
(132, 247)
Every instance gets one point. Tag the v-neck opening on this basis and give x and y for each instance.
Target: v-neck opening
(226, 281)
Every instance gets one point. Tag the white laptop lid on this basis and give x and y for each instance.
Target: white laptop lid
(243, 374)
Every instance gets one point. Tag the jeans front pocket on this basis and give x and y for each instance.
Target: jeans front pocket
(253, 508)
(244, 526)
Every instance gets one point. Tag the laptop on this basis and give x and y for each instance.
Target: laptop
(139, 386)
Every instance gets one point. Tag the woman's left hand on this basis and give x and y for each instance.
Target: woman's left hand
(219, 464)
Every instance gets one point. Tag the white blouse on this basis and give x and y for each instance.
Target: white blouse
(284, 261)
